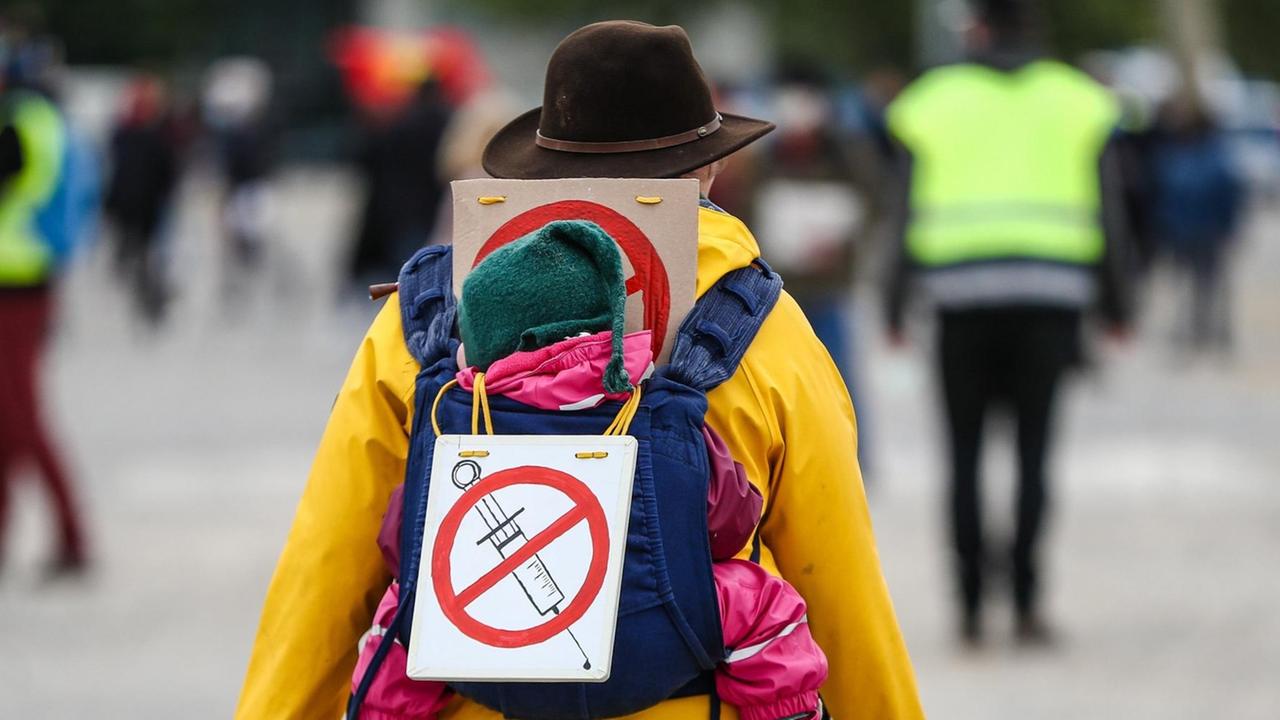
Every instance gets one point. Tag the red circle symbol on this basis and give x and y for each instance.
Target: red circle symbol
(650, 274)
(585, 508)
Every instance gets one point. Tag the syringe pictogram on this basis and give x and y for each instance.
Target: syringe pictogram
(506, 536)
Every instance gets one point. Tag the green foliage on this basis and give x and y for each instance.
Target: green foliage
(1076, 26)
(658, 12)
(171, 32)
(126, 31)
(1250, 27)
(851, 36)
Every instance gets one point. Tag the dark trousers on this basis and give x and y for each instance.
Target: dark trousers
(24, 320)
(989, 357)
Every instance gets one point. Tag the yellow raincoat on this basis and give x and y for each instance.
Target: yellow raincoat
(785, 415)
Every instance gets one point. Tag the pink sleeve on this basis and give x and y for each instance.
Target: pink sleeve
(774, 668)
(733, 503)
(393, 696)
(389, 533)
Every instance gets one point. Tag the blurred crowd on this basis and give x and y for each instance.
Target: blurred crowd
(422, 105)
(821, 193)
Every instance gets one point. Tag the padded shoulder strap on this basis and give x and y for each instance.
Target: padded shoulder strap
(717, 332)
(427, 306)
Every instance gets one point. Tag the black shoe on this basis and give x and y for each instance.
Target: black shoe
(66, 567)
(1034, 632)
(971, 631)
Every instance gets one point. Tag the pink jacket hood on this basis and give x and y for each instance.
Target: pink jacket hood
(568, 375)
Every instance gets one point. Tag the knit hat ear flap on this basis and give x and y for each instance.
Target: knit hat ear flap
(604, 253)
(616, 379)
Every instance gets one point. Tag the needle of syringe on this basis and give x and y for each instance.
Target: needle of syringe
(586, 661)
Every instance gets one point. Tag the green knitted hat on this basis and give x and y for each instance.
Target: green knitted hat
(557, 282)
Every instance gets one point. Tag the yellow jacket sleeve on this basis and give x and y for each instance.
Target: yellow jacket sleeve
(330, 574)
(788, 418)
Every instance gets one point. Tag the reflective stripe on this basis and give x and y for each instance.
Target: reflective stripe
(988, 210)
(752, 650)
(1010, 283)
(375, 631)
(587, 402)
(938, 243)
(372, 632)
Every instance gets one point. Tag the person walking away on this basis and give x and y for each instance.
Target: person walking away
(400, 164)
(32, 148)
(237, 111)
(1195, 215)
(1010, 223)
(795, 439)
(811, 207)
(144, 161)
(807, 207)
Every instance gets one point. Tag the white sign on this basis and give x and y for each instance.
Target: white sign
(522, 558)
(653, 221)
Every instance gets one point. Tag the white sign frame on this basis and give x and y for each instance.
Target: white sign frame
(439, 649)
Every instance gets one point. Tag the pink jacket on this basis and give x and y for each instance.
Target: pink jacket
(566, 376)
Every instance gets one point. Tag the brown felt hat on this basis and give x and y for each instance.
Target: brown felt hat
(622, 99)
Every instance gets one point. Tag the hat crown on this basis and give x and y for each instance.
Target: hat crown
(621, 81)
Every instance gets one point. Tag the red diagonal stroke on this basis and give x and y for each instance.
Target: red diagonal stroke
(526, 551)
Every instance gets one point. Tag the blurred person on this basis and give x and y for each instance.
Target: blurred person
(879, 89)
(399, 162)
(1009, 219)
(33, 141)
(469, 131)
(655, 104)
(808, 206)
(68, 220)
(462, 146)
(144, 161)
(811, 207)
(236, 100)
(1196, 201)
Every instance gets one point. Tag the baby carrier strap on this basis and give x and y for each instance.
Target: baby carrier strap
(717, 332)
(428, 309)
(428, 312)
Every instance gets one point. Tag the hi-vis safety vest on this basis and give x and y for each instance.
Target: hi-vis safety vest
(25, 256)
(1005, 164)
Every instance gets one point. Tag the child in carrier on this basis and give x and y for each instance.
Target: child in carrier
(565, 350)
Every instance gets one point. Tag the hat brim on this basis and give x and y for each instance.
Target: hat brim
(512, 153)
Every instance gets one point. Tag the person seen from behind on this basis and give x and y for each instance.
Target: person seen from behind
(33, 141)
(1195, 213)
(1009, 222)
(144, 162)
(622, 99)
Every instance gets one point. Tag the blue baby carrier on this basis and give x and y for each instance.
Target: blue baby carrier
(668, 638)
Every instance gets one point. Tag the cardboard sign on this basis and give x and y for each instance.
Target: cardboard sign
(654, 222)
(522, 558)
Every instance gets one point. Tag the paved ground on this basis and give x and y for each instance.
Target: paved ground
(191, 449)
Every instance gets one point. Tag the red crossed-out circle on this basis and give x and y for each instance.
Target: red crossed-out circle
(454, 604)
(650, 274)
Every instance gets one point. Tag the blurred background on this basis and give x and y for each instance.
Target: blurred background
(236, 173)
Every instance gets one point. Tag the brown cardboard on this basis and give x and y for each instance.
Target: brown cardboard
(662, 214)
